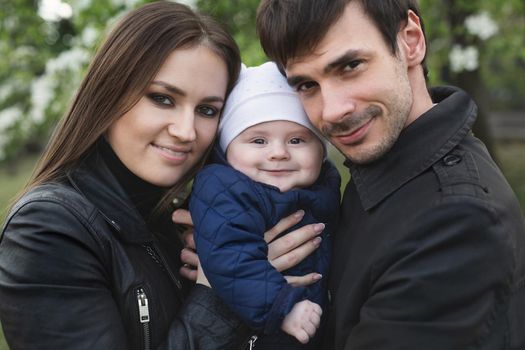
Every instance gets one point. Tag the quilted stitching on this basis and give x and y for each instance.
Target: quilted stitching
(231, 213)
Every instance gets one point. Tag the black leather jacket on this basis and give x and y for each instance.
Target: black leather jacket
(79, 269)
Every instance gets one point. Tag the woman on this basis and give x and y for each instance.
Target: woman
(88, 257)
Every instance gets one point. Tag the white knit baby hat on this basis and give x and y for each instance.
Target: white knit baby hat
(260, 95)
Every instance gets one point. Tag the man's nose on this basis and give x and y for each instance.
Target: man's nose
(337, 103)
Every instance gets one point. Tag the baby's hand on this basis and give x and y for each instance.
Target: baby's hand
(303, 320)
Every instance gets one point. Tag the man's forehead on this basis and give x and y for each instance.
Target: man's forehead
(303, 58)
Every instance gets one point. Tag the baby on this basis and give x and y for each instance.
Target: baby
(271, 162)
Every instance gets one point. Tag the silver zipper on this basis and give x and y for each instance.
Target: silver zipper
(251, 342)
(144, 319)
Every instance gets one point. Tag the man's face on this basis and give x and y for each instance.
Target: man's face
(353, 88)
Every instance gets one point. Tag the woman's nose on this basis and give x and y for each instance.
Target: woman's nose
(183, 126)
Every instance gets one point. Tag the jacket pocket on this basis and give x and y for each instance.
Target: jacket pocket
(144, 319)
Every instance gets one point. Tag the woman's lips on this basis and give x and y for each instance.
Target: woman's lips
(173, 154)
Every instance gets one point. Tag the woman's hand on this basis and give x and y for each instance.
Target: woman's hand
(283, 252)
(188, 255)
(289, 250)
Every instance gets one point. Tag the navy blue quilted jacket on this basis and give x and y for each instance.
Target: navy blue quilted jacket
(231, 212)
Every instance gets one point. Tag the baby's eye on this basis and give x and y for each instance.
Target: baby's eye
(296, 140)
(259, 141)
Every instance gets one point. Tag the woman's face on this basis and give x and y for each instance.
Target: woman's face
(167, 132)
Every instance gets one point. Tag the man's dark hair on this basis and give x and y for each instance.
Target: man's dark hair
(292, 28)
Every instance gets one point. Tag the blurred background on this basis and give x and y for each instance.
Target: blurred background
(46, 45)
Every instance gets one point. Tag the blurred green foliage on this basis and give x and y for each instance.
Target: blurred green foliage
(239, 17)
(501, 57)
(43, 61)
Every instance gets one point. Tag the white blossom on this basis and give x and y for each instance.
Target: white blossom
(8, 117)
(54, 10)
(89, 36)
(80, 5)
(464, 58)
(5, 91)
(23, 53)
(190, 3)
(481, 25)
(72, 59)
(42, 92)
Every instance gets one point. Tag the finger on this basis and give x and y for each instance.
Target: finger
(317, 310)
(189, 241)
(182, 216)
(315, 319)
(310, 329)
(302, 336)
(283, 225)
(189, 258)
(303, 281)
(188, 273)
(293, 239)
(292, 258)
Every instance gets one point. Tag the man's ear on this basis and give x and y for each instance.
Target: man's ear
(411, 40)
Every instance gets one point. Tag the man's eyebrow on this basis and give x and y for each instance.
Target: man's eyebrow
(175, 90)
(346, 57)
(295, 80)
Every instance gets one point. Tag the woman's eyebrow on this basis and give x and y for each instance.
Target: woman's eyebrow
(177, 91)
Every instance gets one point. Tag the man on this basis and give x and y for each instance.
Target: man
(430, 250)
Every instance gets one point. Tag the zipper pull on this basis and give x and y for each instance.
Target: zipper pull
(143, 306)
(252, 341)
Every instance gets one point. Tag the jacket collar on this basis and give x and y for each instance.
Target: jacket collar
(421, 144)
(93, 179)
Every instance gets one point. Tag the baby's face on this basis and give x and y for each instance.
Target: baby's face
(279, 153)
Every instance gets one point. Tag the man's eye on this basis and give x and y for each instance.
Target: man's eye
(161, 99)
(208, 111)
(296, 141)
(352, 65)
(306, 86)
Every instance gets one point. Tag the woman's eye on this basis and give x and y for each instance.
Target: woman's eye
(208, 111)
(296, 141)
(161, 99)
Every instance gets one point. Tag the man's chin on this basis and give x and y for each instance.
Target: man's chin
(365, 156)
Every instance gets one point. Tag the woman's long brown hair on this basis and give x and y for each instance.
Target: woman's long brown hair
(118, 75)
